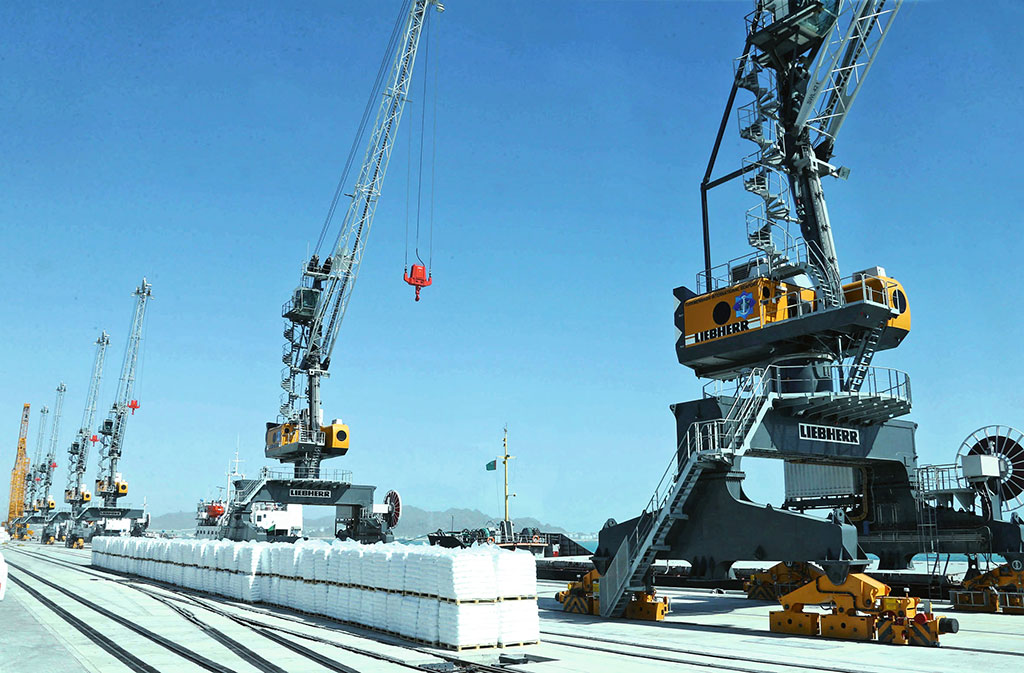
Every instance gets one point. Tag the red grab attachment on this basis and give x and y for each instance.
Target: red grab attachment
(94, 439)
(133, 405)
(419, 278)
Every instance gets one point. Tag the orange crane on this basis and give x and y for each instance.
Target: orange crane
(17, 506)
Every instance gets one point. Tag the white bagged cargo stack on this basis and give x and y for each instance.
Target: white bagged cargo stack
(515, 575)
(376, 561)
(190, 557)
(286, 557)
(321, 578)
(272, 579)
(408, 615)
(223, 564)
(426, 620)
(467, 574)
(333, 564)
(263, 579)
(518, 621)
(467, 624)
(248, 565)
(395, 568)
(207, 563)
(3, 577)
(358, 603)
(226, 569)
(98, 556)
(178, 551)
(392, 612)
(305, 563)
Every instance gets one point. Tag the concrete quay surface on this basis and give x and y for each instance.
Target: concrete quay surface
(161, 628)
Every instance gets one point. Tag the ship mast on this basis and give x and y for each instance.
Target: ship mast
(504, 459)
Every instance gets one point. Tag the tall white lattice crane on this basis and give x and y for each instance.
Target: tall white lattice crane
(44, 503)
(76, 492)
(32, 478)
(315, 312)
(110, 485)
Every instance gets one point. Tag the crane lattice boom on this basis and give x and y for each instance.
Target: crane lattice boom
(17, 504)
(76, 492)
(318, 306)
(43, 502)
(32, 476)
(110, 484)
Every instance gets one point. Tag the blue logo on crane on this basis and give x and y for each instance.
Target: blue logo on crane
(744, 305)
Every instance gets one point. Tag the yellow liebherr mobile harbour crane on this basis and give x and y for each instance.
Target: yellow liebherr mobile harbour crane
(787, 344)
(17, 506)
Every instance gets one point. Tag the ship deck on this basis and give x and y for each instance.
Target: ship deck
(62, 615)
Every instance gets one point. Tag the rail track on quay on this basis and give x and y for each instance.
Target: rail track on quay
(300, 634)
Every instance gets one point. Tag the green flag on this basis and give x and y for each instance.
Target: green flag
(493, 465)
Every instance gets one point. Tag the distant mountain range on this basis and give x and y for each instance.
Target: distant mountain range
(415, 522)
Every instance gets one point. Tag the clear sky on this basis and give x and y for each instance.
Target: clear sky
(199, 143)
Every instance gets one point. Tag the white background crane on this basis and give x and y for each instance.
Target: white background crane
(76, 492)
(318, 306)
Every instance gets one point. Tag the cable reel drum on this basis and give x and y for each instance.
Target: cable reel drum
(991, 461)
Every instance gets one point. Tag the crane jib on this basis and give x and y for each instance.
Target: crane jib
(318, 306)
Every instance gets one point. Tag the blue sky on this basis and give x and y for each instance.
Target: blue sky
(198, 144)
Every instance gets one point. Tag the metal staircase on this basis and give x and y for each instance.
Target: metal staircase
(929, 481)
(705, 443)
(862, 360)
(243, 496)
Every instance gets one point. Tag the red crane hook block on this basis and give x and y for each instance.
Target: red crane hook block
(133, 405)
(419, 278)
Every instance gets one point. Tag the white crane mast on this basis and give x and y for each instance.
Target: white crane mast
(47, 468)
(109, 484)
(76, 491)
(318, 306)
(32, 478)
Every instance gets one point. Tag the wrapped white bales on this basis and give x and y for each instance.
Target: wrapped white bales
(468, 597)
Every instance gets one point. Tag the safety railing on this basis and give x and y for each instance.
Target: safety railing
(820, 21)
(245, 494)
(788, 251)
(811, 379)
(934, 479)
(299, 472)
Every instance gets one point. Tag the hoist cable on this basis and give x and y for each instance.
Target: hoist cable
(408, 193)
(375, 92)
(423, 122)
(433, 159)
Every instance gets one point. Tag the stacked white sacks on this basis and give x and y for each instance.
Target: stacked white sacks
(4, 535)
(466, 597)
